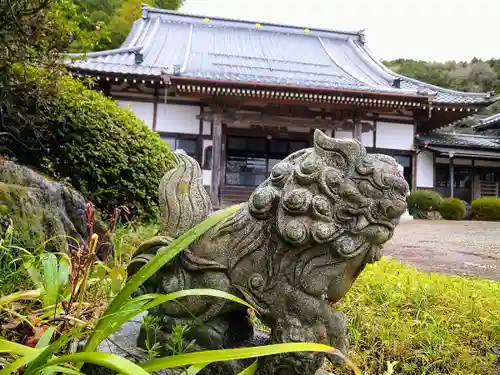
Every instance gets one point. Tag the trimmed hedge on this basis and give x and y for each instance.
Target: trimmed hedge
(487, 209)
(79, 135)
(423, 201)
(452, 209)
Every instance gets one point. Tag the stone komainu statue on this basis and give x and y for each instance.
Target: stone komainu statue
(292, 250)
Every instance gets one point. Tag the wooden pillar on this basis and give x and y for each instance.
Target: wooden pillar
(216, 158)
(358, 129)
(452, 177)
(414, 157)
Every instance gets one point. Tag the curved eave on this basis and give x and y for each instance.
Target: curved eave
(492, 122)
(180, 80)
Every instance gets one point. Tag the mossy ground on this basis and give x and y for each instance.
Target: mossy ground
(429, 324)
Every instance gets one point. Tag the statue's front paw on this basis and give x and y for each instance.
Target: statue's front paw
(336, 326)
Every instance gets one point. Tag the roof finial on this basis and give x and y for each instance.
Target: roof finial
(145, 10)
(362, 36)
(139, 58)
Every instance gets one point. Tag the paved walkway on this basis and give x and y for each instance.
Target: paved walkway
(458, 247)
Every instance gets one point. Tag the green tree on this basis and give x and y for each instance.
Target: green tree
(115, 18)
(52, 122)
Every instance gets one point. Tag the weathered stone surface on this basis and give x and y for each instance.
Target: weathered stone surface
(291, 251)
(41, 210)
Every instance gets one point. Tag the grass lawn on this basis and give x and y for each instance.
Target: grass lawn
(423, 323)
(413, 322)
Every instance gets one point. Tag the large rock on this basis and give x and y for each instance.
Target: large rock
(43, 211)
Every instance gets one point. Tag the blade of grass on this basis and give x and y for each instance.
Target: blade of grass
(50, 279)
(163, 256)
(49, 351)
(45, 339)
(251, 370)
(16, 349)
(240, 353)
(195, 369)
(17, 364)
(111, 361)
(22, 295)
(146, 302)
(63, 370)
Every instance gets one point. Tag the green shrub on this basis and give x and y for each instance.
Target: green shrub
(80, 135)
(452, 209)
(423, 200)
(487, 209)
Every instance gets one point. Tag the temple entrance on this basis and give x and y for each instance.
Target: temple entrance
(249, 160)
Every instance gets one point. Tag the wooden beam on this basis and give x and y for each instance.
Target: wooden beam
(284, 121)
(216, 158)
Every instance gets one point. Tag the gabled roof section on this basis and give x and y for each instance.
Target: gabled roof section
(469, 141)
(199, 47)
(488, 123)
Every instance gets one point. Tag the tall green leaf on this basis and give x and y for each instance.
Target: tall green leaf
(108, 360)
(163, 256)
(146, 302)
(50, 279)
(250, 370)
(239, 353)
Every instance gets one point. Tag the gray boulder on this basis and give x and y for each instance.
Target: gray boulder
(44, 211)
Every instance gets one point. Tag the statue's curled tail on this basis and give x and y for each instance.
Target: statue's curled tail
(184, 202)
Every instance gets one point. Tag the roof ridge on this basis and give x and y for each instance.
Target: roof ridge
(147, 10)
(108, 52)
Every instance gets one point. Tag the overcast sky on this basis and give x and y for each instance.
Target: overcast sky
(436, 30)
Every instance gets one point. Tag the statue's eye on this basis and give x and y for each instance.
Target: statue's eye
(309, 166)
(280, 173)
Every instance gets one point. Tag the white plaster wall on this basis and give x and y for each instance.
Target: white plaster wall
(176, 118)
(207, 128)
(394, 136)
(143, 110)
(343, 134)
(425, 169)
(367, 139)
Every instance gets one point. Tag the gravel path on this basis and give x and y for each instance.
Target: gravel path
(458, 247)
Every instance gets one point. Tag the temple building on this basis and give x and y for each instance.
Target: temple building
(239, 96)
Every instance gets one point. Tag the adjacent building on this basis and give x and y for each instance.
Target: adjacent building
(239, 96)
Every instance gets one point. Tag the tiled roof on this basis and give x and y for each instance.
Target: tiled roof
(459, 140)
(491, 122)
(231, 50)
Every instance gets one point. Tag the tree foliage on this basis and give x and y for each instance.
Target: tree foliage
(52, 122)
(473, 76)
(114, 18)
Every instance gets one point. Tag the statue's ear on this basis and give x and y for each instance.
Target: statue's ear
(332, 148)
